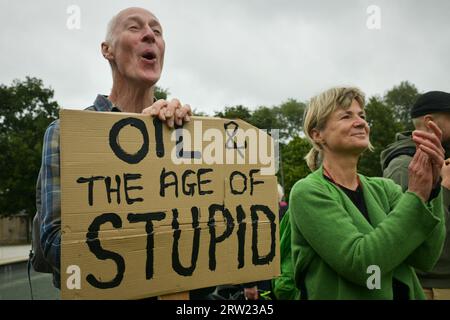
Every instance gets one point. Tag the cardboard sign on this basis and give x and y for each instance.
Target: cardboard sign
(149, 211)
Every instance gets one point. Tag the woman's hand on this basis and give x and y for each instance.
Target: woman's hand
(430, 143)
(420, 175)
(171, 112)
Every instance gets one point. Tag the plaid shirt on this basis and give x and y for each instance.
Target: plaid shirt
(48, 190)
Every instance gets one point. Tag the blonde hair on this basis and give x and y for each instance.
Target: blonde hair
(318, 111)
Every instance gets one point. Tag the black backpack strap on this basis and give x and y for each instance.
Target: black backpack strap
(29, 273)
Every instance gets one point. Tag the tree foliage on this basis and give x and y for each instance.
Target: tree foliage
(293, 166)
(161, 93)
(290, 118)
(26, 109)
(265, 118)
(400, 99)
(235, 112)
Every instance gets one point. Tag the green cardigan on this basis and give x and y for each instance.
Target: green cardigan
(283, 286)
(333, 244)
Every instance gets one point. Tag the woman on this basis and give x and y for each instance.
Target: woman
(355, 237)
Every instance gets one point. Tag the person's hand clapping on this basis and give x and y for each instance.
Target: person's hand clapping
(420, 176)
(430, 143)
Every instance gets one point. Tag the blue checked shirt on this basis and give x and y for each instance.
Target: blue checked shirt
(48, 193)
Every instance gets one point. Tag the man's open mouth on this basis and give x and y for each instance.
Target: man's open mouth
(149, 56)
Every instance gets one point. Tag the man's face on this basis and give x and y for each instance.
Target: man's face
(443, 122)
(137, 49)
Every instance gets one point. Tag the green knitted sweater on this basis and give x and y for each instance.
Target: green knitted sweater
(333, 245)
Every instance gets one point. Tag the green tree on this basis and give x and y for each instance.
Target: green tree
(293, 164)
(26, 109)
(235, 112)
(161, 93)
(400, 99)
(290, 114)
(265, 118)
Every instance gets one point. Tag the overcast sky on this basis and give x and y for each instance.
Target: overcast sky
(227, 52)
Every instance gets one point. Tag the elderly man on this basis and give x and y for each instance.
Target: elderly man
(134, 47)
(431, 106)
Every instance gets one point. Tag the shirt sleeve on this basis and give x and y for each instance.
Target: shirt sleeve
(51, 196)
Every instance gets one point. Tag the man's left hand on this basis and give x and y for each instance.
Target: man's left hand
(171, 112)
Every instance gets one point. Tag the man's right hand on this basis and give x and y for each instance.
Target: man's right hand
(445, 174)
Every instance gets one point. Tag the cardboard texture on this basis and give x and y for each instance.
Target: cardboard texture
(127, 236)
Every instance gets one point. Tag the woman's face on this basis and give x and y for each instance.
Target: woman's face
(346, 131)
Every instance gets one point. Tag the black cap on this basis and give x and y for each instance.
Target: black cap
(431, 102)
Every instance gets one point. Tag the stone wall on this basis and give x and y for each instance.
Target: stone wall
(15, 230)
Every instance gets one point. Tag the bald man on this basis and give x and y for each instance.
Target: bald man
(134, 47)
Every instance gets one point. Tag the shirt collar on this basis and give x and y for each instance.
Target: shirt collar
(102, 103)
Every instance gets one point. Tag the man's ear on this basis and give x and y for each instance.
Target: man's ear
(427, 118)
(106, 51)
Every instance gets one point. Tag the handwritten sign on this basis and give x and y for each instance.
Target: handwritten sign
(149, 211)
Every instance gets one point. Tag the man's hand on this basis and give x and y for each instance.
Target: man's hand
(251, 293)
(171, 112)
(445, 174)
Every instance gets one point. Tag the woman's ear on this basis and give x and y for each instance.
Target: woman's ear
(317, 136)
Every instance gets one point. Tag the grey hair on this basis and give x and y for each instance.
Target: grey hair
(112, 24)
